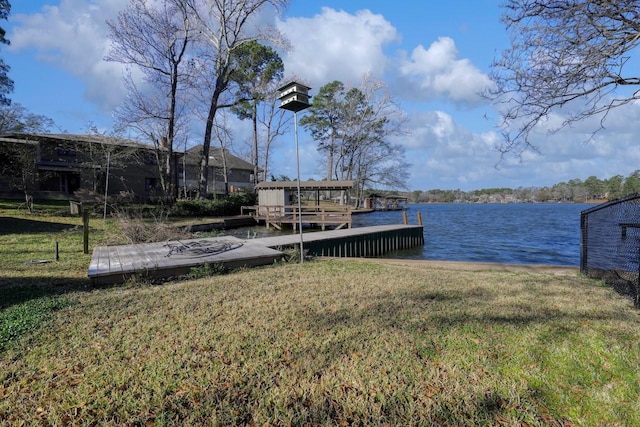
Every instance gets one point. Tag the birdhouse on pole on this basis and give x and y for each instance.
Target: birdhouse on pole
(294, 97)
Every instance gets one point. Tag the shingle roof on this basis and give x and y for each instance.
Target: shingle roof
(305, 185)
(93, 138)
(215, 158)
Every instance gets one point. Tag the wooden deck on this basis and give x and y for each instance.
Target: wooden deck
(278, 216)
(115, 264)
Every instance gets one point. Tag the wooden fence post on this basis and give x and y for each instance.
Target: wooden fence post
(85, 229)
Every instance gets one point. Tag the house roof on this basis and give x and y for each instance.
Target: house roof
(304, 185)
(192, 157)
(5, 138)
(92, 138)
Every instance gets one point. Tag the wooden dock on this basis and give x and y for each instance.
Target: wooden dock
(278, 216)
(115, 264)
(353, 242)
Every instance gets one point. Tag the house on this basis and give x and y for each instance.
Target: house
(239, 174)
(58, 165)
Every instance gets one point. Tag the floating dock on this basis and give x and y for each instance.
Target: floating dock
(115, 264)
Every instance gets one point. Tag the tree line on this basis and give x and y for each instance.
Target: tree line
(576, 190)
(191, 60)
(192, 65)
(187, 62)
(352, 127)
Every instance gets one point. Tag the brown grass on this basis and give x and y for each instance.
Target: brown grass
(333, 343)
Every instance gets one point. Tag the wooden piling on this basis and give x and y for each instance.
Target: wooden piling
(85, 229)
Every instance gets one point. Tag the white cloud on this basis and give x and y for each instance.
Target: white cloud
(72, 36)
(438, 72)
(336, 45)
(446, 155)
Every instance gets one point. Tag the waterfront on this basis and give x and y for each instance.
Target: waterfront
(527, 233)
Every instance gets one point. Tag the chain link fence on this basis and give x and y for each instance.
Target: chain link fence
(610, 245)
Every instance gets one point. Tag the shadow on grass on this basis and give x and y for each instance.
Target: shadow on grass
(9, 225)
(444, 311)
(18, 291)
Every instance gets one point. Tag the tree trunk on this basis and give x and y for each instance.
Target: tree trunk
(254, 119)
(206, 145)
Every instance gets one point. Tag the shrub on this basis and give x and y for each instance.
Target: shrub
(137, 229)
(224, 206)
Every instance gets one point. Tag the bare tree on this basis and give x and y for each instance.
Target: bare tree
(18, 168)
(153, 37)
(373, 117)
(257, 67)
(564, 52)
(274, 123)
(354, 127)
(15, 118)
(224, 137)
(224, 25)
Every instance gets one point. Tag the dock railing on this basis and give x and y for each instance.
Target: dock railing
(278, 215)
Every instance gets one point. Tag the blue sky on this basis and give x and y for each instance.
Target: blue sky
(433, 57)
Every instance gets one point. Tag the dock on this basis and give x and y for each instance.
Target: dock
(279, 216)
(353, 242)
(116, 264)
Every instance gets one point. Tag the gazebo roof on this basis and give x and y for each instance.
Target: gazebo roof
(305, 185)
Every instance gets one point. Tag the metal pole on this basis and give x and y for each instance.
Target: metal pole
(295, 126)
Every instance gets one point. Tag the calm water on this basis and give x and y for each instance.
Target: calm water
(503, 233)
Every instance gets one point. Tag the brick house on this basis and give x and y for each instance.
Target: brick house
(58, 165)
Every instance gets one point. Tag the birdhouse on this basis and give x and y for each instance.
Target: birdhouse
(294, 96)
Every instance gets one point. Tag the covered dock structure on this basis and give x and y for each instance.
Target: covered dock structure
(388, 202)
(278, 205)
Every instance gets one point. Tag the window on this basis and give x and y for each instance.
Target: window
(65, 152)
(150, 184)
(149, 159)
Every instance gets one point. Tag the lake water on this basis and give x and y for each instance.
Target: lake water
(529, 233)
(537, 233)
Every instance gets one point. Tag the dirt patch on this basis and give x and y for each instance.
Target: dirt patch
(471, 266)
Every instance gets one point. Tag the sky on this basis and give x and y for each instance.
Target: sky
(434, 58)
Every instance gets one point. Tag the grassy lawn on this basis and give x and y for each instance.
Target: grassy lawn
(324, 343)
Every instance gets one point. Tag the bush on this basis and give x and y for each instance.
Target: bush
(224, 206)
(137, 229)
